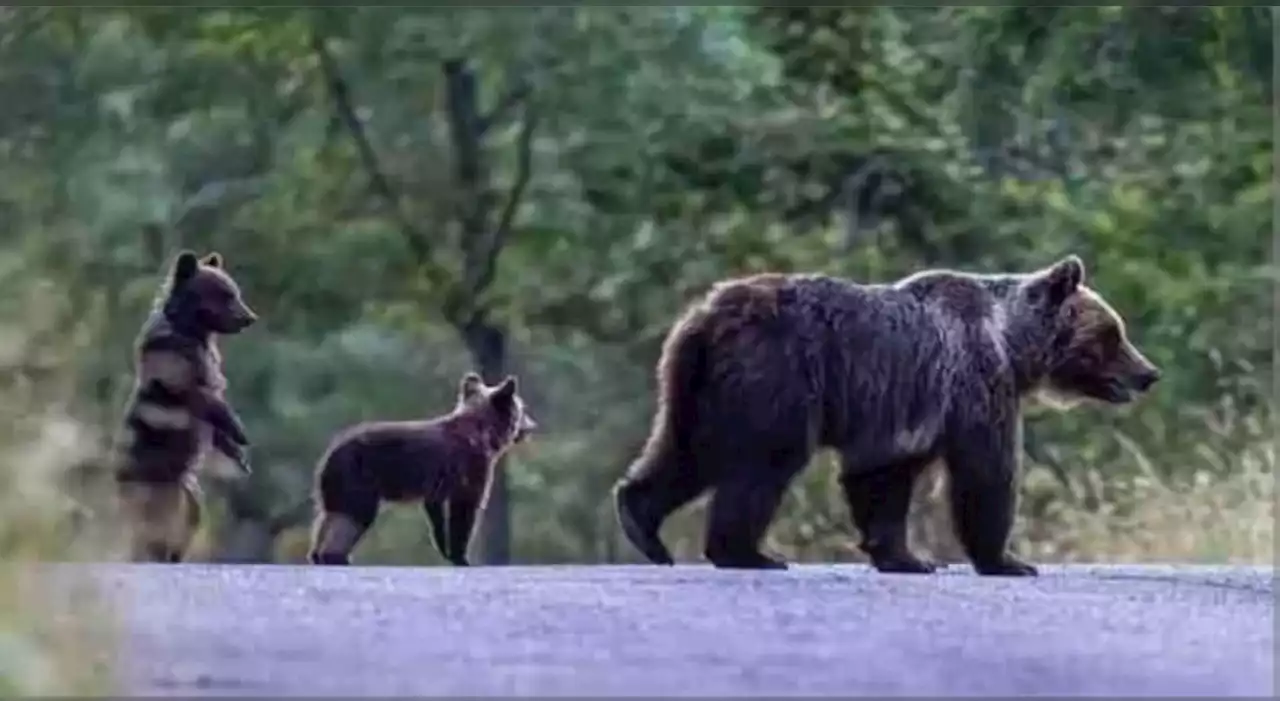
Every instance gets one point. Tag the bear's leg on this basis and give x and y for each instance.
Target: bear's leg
(463, 513)
(334, 536)
(879, 501)
(140, 540)
(982, 462)
(435, 517)
(153, 545)
(643, 504)
(160, 517)
(742, 508)
(187, 518)
(346, 509)
(154, 551)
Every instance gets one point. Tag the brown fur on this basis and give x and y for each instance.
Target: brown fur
(165, 516)
(177, 416)
(445, 464)
(765, 370)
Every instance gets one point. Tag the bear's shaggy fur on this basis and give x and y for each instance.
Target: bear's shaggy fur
(177, 410)
(767, 369)
(445, 464)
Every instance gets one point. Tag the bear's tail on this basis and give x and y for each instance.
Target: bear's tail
(662, 479)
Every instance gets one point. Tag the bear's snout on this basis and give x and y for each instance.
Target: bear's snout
(1144, 379)
(244, 317)
(526, 427)
(1140, 374)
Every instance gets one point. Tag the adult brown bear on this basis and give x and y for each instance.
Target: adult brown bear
(766, 369)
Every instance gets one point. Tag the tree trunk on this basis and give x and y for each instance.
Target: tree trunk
(488, 347)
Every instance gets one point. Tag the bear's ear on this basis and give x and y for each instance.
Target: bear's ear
(470, 385)
(213, 260)
(1062, 278)
(184, 267)
(506, 390)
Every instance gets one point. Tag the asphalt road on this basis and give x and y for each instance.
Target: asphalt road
(691, 630)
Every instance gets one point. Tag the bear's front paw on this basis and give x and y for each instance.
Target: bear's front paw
(1007, 566)
(328, 559)
(743, 559)
(904, 563)
(242, 461)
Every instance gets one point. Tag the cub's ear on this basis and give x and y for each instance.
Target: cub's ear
(470, 385)
(1060, 280)
(213, 260)
(184, 267)
(506, 391)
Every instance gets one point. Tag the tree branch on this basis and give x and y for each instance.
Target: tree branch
(517, 93)
(340, 94)
(483, 275)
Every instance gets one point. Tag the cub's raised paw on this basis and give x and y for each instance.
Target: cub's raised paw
(241, 460)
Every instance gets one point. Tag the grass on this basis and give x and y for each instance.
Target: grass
(56, 632)
(1207, 518)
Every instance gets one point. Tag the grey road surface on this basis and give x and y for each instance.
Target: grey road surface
(691, 630)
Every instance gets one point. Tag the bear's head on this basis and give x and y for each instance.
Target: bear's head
(201, 298)
(501, 402)
(1084, 350)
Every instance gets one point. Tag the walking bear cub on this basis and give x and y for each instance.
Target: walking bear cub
(766, 369)
(177, 411)
(444, 463)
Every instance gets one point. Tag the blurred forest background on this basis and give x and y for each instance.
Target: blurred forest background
(408, 194)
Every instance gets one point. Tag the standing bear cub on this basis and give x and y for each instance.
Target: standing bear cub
(767, 369)
(444, 463)
(177, 411)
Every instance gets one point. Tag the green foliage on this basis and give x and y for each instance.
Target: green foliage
(671, 147)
